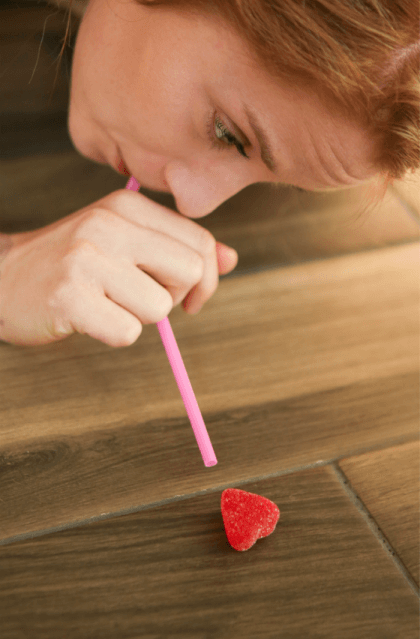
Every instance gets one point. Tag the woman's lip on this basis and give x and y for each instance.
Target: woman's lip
(120, 165)
(123, 169)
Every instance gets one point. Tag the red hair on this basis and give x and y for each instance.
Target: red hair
(362, 58)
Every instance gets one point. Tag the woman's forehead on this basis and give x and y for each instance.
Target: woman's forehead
(314, 144)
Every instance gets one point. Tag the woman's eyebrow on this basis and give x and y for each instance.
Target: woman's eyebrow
(266, 148)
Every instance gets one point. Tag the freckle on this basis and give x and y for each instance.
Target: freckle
(1, 322)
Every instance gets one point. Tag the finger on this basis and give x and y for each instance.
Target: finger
(170, 262)
(208, 284)
(134, 290)
(99, 317)
(227, 258)
(138, 209)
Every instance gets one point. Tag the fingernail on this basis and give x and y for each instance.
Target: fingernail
(226, 257)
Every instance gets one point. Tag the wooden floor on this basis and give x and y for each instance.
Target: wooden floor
(305, 364)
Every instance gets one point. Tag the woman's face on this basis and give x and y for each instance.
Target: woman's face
(181, 101)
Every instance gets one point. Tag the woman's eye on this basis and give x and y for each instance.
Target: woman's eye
(221, 137)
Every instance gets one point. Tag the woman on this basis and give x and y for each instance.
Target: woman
(201, 99)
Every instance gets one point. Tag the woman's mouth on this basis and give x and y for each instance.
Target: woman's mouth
(122, 167)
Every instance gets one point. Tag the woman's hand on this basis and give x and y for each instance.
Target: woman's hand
(106, 270)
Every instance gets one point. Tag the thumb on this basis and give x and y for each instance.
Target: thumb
(227, 258)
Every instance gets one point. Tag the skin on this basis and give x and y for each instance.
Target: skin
(147, 80)
(149, 84)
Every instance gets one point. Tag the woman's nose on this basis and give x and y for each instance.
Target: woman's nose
(199, 192)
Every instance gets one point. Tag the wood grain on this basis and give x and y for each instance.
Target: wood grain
(65, 479)
(290, 332)
(27, 76)
(316, 360)
(25, 17)
(284, 226)
(387, 481)
(34, 86)
(170, 572)
(313, 362)
(268, 227)
(78, 7)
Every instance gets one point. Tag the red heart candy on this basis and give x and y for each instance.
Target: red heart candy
(247, 517)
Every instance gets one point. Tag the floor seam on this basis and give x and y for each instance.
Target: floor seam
(333, 462)
(254, 270)
(374, 527)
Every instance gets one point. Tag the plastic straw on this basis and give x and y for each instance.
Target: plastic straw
(182, 379)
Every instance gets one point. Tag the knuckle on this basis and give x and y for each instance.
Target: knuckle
(163, 306)
(64, 293)
(61, 303)
(56, 300)
(93, 221)
(195, 267)
(119, 197)
(212, 288)
(207, 294)
(207, 242)
(123, 199)
(61, 327)
(129, 335)
(75, 258)
(69, 276)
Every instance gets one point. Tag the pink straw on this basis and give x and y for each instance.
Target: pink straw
(184, 384)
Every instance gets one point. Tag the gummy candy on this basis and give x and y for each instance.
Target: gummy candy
(247, 517)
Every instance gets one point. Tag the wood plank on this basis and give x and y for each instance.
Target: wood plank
(78, 7)
(387, 482)
(314, 327)
(87, 433)
(61, 479)
(283, 226)
(31, 39)
(27, 88)
(267, 227)
(35, 87)
(169, 571)
(331, 368)
(25, 17)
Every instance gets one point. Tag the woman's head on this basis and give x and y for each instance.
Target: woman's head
(171, 84)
